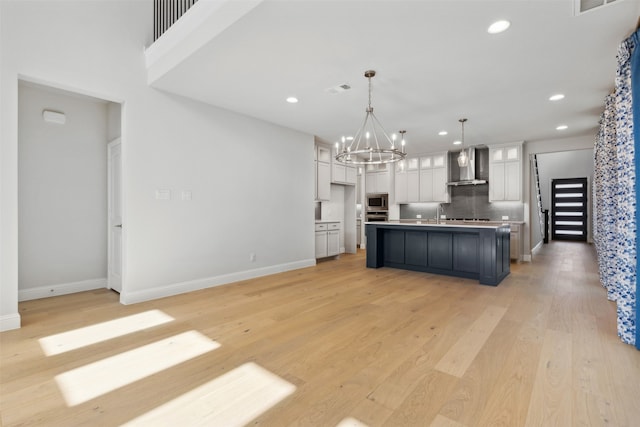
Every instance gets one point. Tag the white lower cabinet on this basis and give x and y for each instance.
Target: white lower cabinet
(514, 247)
(321, 244)
(327, 239)
(333, 242)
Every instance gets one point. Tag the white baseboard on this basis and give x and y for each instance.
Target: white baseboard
(209, 282)
(61, 289)
(537, 247)
(9, 322)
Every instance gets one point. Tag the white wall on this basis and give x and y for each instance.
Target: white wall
(247, 196)
(62, 187)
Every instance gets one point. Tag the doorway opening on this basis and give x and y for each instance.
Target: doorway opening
(63, 223)
(569, 209)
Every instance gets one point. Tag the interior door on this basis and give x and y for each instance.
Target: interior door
(115, 215)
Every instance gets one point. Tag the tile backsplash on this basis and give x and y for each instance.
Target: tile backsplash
(469, 201)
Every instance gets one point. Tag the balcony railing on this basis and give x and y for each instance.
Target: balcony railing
(166, 12)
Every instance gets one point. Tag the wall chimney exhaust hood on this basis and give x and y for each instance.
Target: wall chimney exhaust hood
(467, 173)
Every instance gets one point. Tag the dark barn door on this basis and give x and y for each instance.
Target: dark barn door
(569, 209)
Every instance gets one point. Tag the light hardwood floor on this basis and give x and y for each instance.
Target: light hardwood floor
(333, 344)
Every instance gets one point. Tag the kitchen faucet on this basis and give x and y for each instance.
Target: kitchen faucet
(439, 211)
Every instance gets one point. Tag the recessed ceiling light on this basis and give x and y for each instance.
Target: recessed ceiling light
(292, 100)
(457, 142)
(562, 127)
(498, 27)
(349, 138)
(443, 133)
(556, 97)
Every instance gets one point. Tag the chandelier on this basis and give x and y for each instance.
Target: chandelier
(463, 158)
(371, 145)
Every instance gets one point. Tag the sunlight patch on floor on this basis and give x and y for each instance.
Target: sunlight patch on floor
(351, 422)
(90, 381)
(82, 337)
(232, 399)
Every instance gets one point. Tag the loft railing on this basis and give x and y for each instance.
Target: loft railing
(166, 12)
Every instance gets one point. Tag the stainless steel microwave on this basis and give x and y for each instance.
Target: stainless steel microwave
(377, 202)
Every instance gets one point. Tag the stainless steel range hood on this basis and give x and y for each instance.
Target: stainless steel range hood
(467, 173)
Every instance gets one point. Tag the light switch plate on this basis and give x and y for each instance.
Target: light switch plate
(163, 194)
(418, 216)
(443, 217)
(505, 217)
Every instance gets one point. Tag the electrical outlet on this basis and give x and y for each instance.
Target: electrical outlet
(418, 216)
(252, 257)
(443, 217)
(505, 217)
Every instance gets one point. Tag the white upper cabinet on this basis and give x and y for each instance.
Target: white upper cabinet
(341, 173)
(422, 179)
(323, 181)
(413, 186)
(433, 178)
(377, 182)
(323, 172)
(323, 154)
(505, 172)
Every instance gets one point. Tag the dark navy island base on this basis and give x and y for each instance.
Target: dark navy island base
(468, 251)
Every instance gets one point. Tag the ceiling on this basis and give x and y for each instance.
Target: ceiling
(435, 63)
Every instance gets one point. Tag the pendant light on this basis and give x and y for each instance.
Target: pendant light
(371, 145)
(463, 158)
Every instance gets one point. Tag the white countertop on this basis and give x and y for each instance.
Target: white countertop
(325, 221)
(417, 223)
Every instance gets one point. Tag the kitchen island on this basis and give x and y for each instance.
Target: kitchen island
(463, 250)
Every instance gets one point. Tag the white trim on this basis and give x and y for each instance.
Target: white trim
(535, 249)
(209, 282)
(203, 22)
(61, 289)
(526, 258)
(114, 142)
(9, 322)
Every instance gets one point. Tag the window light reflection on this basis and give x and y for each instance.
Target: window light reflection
(351, 422)
(82, 337)
(90, 381)
(232, 399)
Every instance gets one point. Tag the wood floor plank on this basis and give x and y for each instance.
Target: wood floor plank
(424, 401)
(592, 398)
(358, 345)
(508, 400)
(442, 421)
(550, 402)
(456, 361)
(468, 400)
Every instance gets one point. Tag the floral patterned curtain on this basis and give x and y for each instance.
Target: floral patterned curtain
(615, 202)
(635, 96)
